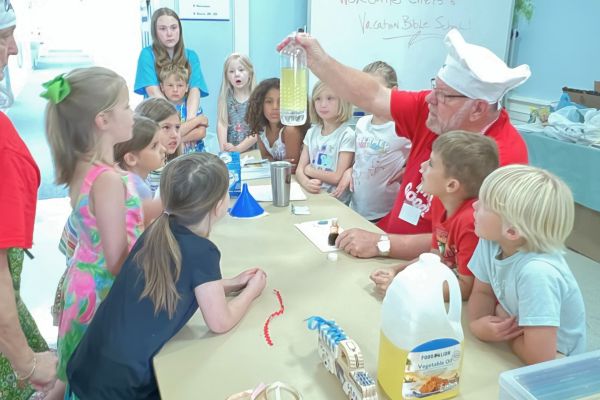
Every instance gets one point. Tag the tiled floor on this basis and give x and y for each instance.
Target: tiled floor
(587, 273)
(41, 275)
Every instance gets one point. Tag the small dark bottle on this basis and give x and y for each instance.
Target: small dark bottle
(333, 233)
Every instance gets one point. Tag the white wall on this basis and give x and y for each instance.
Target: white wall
(560, 44)
(113, 35)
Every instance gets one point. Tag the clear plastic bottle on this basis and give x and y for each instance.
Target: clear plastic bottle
(294, 82)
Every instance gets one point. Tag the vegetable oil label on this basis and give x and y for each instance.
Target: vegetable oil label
(432, 368)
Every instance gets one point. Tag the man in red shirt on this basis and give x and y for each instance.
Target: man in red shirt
(464, 96)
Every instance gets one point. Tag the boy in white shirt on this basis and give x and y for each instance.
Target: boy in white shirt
(524, 291)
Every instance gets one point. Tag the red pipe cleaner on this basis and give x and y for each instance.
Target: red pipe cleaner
(275, 314)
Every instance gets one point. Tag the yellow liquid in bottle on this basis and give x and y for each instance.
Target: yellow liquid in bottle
(390, 372)
(293, 91)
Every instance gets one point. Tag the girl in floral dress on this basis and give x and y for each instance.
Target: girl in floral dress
(87, 115)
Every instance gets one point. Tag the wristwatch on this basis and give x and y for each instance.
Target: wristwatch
(383, 246)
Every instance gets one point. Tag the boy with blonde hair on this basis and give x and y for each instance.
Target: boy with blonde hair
(174, 85)
(524, 291)
(458, 164)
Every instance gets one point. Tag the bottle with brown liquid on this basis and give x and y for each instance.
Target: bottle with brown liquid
(333, 233)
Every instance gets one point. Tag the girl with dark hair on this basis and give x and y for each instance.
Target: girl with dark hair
(276, 141)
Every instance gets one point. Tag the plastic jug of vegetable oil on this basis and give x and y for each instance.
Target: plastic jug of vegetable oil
(421, 342)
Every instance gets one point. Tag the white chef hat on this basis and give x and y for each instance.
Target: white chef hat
(478, 73)
(7, 14)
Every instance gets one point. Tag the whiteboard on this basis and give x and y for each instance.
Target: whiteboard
(407, 34)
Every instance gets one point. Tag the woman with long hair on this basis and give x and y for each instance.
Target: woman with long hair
(167, 49)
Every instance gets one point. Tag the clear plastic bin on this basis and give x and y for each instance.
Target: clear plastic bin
(575, 377)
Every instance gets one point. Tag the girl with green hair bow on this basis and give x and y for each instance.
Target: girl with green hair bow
(87, 114)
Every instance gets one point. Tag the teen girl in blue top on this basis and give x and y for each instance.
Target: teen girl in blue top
(168, 48)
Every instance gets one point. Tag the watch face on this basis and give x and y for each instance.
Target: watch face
(383, 246)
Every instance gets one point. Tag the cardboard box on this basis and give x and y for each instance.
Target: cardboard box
(585, 238)
(588, 98)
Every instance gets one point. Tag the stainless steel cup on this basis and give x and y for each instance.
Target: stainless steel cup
(281, 177)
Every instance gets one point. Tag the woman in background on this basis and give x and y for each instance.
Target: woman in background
(168, 48)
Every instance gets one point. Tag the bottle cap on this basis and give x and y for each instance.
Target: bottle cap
(428, 258)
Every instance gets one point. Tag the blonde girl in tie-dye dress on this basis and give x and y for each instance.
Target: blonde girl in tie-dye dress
(87, 114)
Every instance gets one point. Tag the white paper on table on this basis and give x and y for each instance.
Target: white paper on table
(264, 192)
(255, 169)
(299, 210)
(256, 172)
(318, 233)
(249, 160)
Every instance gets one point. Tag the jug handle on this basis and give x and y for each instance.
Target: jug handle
(454, 297)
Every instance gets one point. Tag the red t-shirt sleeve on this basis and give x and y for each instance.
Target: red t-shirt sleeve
(406, 109)
(511, 146)
(19, 181)
(466, 242)
(437, 211)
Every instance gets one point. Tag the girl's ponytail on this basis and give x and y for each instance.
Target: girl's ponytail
(160, 259)
(191, 186)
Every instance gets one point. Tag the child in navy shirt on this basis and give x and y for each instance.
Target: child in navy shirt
(172, 270)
